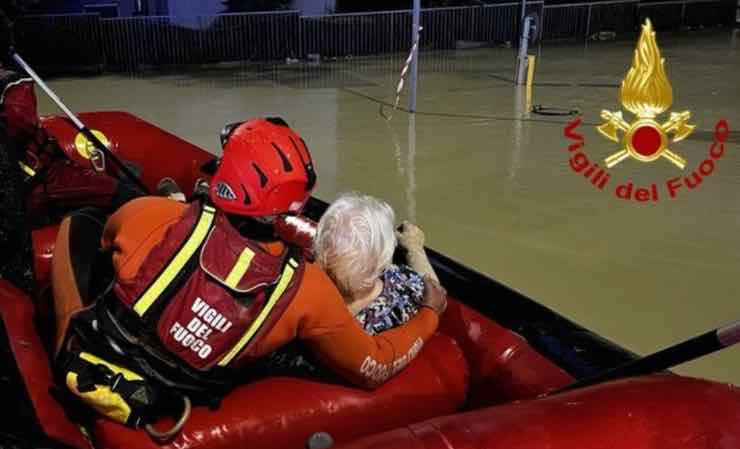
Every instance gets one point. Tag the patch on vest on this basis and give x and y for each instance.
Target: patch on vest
(203, 321)
(224, 191)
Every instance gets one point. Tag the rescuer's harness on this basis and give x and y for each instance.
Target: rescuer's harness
(135, 361)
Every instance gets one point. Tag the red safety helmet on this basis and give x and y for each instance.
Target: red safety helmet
(266, 169)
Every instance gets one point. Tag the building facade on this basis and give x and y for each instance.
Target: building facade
(181, 8)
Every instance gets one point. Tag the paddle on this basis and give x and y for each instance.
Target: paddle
(691, 349)
(99, 146)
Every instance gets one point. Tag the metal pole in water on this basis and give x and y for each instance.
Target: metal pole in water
(415, 56)
(523, 50)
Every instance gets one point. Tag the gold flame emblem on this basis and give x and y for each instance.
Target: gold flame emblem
(647, 93)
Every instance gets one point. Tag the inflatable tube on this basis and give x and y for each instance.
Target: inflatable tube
(657, 412)
(282, 412)
(154, 152)
(43, 251)
(33, 412)
(297, 230)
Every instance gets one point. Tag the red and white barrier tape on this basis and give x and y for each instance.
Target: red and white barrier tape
(405, 70)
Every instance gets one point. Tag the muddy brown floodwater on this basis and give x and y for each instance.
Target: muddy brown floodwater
(492, 185)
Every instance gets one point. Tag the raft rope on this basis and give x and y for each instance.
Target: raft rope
(544, 110)
(483, 117)
(404, 71)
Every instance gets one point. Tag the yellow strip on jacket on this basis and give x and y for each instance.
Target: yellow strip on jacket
(196, 239)
(285, 279)
(241, 267)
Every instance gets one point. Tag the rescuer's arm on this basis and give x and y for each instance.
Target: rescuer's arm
(337, 339)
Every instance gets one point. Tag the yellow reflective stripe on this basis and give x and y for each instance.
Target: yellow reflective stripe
(196, 239)
(285, 279)
(29, 171)
(241, 267)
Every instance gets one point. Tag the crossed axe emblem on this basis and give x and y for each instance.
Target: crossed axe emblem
(645, 139)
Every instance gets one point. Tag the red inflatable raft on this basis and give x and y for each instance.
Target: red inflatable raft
(482, 382)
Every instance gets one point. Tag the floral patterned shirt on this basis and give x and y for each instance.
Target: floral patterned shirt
(400, 300)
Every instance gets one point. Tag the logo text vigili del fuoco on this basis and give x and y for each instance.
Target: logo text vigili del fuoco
(646, 93)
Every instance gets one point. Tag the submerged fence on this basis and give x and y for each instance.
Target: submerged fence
(65, 41)
(589, 20)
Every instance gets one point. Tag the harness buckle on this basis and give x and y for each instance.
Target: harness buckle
(94, 375)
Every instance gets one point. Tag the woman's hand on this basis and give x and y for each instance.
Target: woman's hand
(435, 296)
(410, 236)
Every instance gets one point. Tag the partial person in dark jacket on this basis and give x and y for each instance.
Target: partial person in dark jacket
(16, 249)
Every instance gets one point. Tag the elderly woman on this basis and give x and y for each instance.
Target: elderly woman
(354, 243)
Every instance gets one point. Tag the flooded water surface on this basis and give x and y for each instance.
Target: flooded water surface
(492, 185)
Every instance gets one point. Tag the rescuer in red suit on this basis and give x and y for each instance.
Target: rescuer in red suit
(211, 287)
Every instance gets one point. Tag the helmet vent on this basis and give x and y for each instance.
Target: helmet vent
(263, 177)
(310, 173)
(297, 150)
(306, 147)
(223, 190)
(283, 157)
(247, 199)
(277, 121)
(311, 177)
(226, 132)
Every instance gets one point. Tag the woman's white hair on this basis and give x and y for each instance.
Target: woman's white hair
(355, 240)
